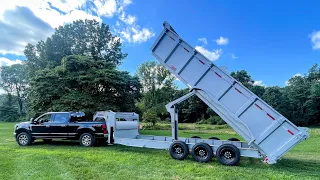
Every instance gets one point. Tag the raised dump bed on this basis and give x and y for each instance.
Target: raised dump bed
(263, 128)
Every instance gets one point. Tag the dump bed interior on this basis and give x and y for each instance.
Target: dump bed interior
(259, 124)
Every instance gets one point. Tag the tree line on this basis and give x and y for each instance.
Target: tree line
(76, 69)
(299, 100)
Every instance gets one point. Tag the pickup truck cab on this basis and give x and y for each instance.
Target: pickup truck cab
(61, 125)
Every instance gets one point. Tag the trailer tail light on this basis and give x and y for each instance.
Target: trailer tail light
(104, 129)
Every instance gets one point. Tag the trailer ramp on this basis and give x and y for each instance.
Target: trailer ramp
(258, 123)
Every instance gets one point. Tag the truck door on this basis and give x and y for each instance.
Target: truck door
(59, 126)
(41, 126)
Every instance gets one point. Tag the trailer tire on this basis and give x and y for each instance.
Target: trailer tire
(202, 152)
(196, 137)
(214, 138)
(233, 139)
(228, 154)
(179, 150)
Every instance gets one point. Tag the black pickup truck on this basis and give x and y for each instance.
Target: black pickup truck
(60, 125)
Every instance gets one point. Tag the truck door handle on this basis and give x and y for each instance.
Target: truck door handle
(63, 125)
(47, 126)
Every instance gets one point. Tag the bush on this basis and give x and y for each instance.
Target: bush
(150, 117)
(212, 120)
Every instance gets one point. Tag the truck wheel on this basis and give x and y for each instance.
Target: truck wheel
(86, 139)
(179, 150)
(228, 154)
(196, 137)
(24, 139)
(233, 139)
(214, 138)
(202, 152)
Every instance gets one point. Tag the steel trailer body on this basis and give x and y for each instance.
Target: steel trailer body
(267, 133)
(127, 133)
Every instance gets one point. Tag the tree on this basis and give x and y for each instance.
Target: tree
(14, 81)
(8, 111)
(243, 77)
(76, 69)
(158, 88)
(85, 38)
(84, 84)
(150, 117)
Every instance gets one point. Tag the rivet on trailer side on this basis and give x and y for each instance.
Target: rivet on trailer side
(267, 133)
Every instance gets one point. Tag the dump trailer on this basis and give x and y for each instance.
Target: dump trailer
(263, 128)
(268, 135)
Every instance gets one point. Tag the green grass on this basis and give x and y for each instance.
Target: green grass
(67, 160)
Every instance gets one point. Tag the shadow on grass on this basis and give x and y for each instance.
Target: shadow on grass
(299, 167)
(67, 143)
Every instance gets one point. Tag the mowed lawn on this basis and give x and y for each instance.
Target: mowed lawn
(67, 160)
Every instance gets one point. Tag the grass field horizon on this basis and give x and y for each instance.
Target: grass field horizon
(67, 160)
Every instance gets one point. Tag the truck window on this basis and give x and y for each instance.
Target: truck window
(61, 118)
(99, 119)
(45, 118)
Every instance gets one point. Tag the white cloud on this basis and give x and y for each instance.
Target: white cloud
(315, 39)
(23, 22)
(233, 56)
(127, 27)
(142, 35)
(211, 55)
(203, 40)
(127, 19)
(258, 83)
(106, 8)
(298, 74)
(7, 62)
(20, 26)
(222, 41)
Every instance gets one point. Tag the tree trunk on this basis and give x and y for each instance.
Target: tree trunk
(19, 99)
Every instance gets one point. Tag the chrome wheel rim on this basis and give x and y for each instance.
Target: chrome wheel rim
(201, 152)
(177, 150)
(23, 139)
(228, 155)
(86, 140)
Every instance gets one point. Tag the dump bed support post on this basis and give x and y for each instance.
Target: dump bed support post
(173, 110)
(174, 122)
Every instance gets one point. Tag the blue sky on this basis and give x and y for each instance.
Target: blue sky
(272, 40)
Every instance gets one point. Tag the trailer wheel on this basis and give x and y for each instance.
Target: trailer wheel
(228, 154)
(179, 150)
(202, 152)
(233, 139)
(196, 137)
(214, 138)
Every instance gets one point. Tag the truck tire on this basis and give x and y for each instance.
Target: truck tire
(228, 154)
(86, 139)
(202, 152)
(214, 138)
(196, 137)
(179, 150)
(233, 139)
(24, 139)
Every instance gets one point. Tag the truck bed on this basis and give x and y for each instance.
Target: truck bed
(258, 123)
